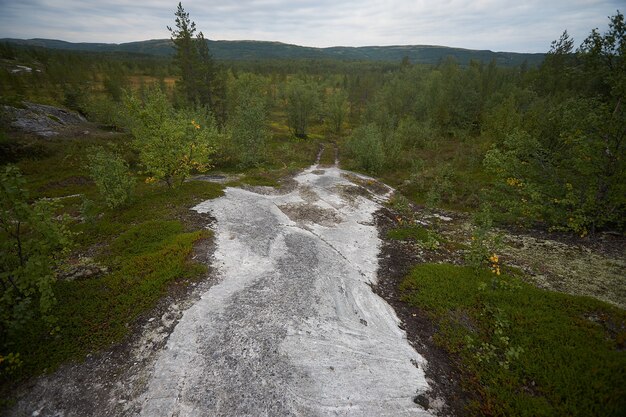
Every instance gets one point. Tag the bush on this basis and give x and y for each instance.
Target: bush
(31, 243)
(566, 171)
(248, 132)
(171, 143)
(111, 175)
(366, 143)
(485, 244)
(442, 188)
(105, 111)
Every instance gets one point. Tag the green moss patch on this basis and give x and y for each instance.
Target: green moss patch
(413, 232)
(94, 313)
(526, 351)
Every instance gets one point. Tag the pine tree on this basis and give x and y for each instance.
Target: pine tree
(194, 60)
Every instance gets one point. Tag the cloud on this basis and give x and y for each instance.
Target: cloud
(527, 26)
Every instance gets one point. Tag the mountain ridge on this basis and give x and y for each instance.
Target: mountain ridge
(258, 50)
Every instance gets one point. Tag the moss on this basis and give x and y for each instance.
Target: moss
(94, 313)
(144, 257)
(415, 233)
(54, 118)
(528, 351)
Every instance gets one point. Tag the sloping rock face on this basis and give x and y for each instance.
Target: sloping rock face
(293, 328)
(42, 120)
(288, 325)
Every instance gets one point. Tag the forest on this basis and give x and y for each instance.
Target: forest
(522, 147)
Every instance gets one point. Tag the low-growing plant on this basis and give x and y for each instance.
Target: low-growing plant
(105, 111)
(401, 204)
(518, 346)
(408, 230)
(484, 244)
(442, 187)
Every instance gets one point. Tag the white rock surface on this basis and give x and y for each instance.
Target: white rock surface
(293, 327)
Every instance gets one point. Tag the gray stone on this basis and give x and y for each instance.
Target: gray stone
(42, 120)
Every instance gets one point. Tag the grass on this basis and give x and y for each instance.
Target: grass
(525, 351)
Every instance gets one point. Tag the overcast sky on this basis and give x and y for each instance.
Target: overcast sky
(499, 25)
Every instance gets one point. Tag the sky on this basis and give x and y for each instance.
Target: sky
(498, 25)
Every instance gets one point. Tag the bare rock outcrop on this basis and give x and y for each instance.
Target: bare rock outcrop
(41, 119)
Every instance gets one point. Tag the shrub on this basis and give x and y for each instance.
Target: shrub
(366, 143)
(105, 111)
(171, 143)
(111, 175)
(248, 132)
(31, 243)
(442, 188)
(484, 244)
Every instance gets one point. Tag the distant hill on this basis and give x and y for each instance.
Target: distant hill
(255, 50)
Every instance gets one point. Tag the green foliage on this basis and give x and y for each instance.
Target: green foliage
(9, 364)
(144, 259)
(336, 110)
(562, 163)
(485, 243)
(566, 172)
(302, 102)
(198, 81)
(441, 188)
(145, 237)
(94, 313)
(105, 111)
(426, 238)
(520, 346)
(410, 232)
(31, 244)
(171, 143)
(247, 124)
(112, 177)
(402, 205)
(411, 134)
(366, 144)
